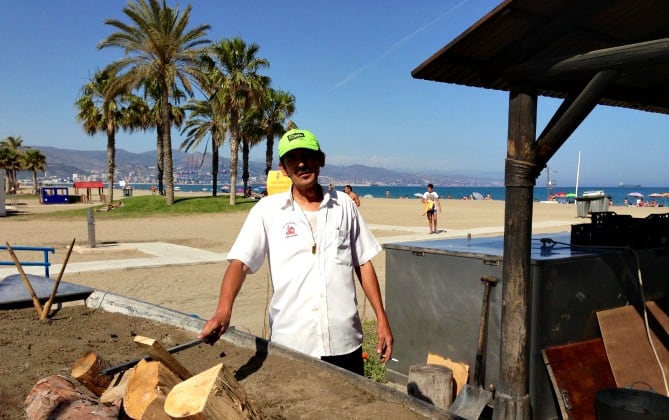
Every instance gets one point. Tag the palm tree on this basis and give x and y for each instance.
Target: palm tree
(101, 109)
(241, 88)
(157, 47)
(153, 118)
(10, 160)
(277, 106)
(34, 161)
(202, 122)
(251, 132)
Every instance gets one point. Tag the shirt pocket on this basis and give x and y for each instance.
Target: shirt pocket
(340, 246)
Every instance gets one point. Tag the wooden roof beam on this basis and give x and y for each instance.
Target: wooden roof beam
(570, 115)
(625, 56)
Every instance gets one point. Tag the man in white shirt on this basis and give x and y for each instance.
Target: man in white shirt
(432, 207)
(315, 241)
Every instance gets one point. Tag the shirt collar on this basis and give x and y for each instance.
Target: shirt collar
(327, 199)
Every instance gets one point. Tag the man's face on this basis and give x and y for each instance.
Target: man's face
(302, 166)
(429, 189)
(347, 190)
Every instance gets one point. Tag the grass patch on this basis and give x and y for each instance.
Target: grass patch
(154, 205)
(374, 369)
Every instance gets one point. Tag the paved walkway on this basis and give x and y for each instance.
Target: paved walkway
(165, 254)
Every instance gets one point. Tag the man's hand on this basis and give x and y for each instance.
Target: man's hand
(214, 328)
(384, 346)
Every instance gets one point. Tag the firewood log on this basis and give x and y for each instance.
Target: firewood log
(88, 371)
(116, 389)
(148, 386)
(212, 394)
(159, 353)
(55, 397)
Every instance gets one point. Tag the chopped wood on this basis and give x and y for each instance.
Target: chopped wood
(212, 394)
(55, 397)
(159, 353)
(116, 389)
(88, 371)
(148, 386)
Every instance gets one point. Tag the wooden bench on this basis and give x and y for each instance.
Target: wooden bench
(44, 263)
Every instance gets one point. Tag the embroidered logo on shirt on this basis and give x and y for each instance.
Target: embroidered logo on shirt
(290, 229)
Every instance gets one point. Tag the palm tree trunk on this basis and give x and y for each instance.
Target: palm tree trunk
(160, 160)
(111, 161)
(214, 166)
(167, 145)
(234, 151)
(269, 153)
(34, 191)
(245, 163)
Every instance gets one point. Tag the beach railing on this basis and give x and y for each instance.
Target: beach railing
(44, 263)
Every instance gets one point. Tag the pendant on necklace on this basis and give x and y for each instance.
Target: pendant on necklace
(313, 249)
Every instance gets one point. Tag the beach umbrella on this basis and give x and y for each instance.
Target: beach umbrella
(560, 194)
(635, 194)
(570, 195)
(419, 195)
(477, 196)
(654, 195)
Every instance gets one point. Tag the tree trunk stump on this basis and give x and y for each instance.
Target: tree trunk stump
(432, 384)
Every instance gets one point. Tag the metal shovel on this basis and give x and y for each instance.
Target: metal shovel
(473, 398)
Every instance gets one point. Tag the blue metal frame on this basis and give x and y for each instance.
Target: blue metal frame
(46, 264)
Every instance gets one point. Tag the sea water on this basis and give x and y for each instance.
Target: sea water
(617, 194)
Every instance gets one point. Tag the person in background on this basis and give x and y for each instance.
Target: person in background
(432, 207)
(348, 190)
(331, 187)
(316, 243)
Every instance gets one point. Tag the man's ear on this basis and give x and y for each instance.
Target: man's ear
(282, 169)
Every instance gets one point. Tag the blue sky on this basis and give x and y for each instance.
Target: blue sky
(347, 62)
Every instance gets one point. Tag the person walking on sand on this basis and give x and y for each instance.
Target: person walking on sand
(348, 190)
(432, 207)
(316, 243)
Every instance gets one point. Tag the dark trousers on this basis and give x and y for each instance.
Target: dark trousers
(352, 361)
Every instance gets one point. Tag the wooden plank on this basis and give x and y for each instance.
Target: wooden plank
(628, 349)
(577, 371)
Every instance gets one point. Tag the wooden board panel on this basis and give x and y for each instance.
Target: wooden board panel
(627, 347)
(577, 371)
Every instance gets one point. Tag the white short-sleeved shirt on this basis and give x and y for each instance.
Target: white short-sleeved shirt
(430, 195)
(314, 309)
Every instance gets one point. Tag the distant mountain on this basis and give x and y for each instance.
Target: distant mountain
(140, 167)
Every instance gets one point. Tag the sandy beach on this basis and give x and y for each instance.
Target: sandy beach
(193, 287)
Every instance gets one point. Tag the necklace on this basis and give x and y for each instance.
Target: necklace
(312, 221)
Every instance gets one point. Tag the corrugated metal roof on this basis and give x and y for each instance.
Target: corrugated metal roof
(520, 32)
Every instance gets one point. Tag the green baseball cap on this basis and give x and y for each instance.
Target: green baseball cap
(297, 139)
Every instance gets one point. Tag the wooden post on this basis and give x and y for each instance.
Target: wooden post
(91, 228)
(47, 306)
(432, 384)
(26, 281)
(512, 399)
